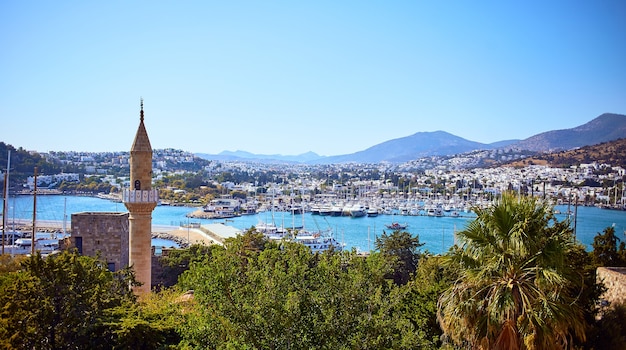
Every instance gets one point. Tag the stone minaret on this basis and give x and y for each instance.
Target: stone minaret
(140, 199)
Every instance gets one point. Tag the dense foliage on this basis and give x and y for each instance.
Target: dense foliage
(518, 280)
(605, 249)
(57, 302)
(518, 287)
(262, 295)
(402, 248)
(23, 164)
(178, 261)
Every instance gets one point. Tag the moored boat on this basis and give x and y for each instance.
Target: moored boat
(336, 210)
(22, 246)
(325, 210)
(372, 212)
(397, 226)
(357, 211)
(318, 241)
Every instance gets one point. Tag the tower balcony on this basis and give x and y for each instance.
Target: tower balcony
(140, 196)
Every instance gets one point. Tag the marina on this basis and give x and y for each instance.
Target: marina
(359, 233)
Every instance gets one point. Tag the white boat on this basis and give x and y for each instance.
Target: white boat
(357, 211)
(271, 231)
(315, 209)
(438, 212)
(347, 209)
(435, 211)
(372, 212)
(325, 210)
(10, 237)
(397, 226)
(336, 210)
(318, 241)
(22, 246)
(265, 227)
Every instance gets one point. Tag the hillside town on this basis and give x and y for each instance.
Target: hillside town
(454, 181)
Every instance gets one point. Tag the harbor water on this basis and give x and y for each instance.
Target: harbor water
(437, 233)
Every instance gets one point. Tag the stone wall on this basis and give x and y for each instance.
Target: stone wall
(105, 233)
(614, 279)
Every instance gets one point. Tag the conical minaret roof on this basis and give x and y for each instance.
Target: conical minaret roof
(142, 142)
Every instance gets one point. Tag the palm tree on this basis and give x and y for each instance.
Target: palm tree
(515, 289)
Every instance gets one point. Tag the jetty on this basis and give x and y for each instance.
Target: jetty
(183, 236)
(205, 234)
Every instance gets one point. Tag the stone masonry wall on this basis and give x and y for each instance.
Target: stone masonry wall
(104, 233)
(614, 279)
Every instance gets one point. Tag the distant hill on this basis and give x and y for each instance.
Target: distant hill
(502, 144)
(612, 152)
(418, 145)
(606, 127)
(273, 158)
(23, 163)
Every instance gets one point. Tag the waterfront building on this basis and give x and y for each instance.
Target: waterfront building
(140, 200)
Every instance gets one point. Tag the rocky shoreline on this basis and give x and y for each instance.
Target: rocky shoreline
(182, 243)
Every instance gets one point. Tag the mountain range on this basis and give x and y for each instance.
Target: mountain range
(606, 127)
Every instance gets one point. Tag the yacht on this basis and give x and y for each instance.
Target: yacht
(357, 211)
(318, 241)
(22, 246)
(372, 212)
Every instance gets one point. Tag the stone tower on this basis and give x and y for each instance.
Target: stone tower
(140, 200)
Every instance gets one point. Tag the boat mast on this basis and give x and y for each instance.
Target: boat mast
(64, 216)
(4, 200)
(32, 241)
(4, 211)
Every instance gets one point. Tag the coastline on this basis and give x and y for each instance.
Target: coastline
(182, 236)
(436, 232)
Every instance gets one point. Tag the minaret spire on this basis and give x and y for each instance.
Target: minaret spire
(140, 200)
(141, 113)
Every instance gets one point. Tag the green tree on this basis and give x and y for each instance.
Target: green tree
(403, 249)
(9, 263)
(276, 296)
(605, 251)
(148, 324)
(516, 289)
(418, 304)
(178, 261)
(57, 302)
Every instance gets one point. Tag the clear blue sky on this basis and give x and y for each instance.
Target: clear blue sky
(287, 77)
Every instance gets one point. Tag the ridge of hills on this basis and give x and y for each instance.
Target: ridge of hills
(611, 152)
(604, 128)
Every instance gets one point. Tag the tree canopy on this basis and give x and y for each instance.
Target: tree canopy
(403, 249)
(57, 302)
(517, 280)
(516, 288)
(605, 251)
(283, 296)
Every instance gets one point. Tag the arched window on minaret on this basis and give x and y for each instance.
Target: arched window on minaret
(137, 185)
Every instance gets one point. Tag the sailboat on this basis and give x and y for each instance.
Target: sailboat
(24, 246)
(269, 229)
(317, 241)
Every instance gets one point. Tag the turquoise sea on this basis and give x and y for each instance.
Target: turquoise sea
(436, 232)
